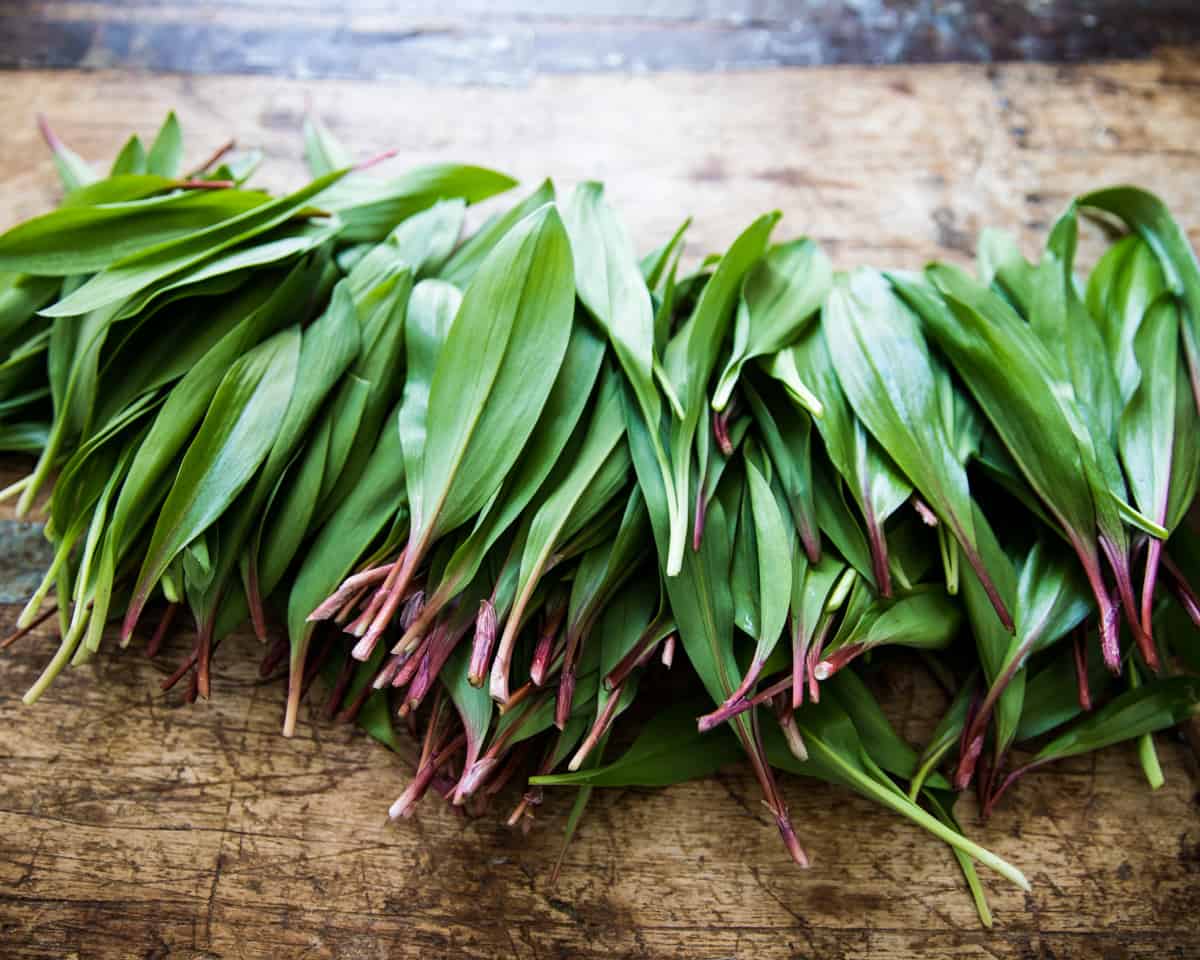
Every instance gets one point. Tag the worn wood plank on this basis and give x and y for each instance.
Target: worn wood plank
(131, 825)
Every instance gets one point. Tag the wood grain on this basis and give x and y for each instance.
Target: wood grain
(134, 826)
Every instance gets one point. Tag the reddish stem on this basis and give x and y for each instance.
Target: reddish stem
(1081, 668)
(160, 632)
(214, 158)
(24, 631)
(274, 657)
(1118, 562)
(1184, 592)
(349, 588)
(483, 644)
(339, 687)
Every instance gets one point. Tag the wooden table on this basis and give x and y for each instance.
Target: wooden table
(134, 826)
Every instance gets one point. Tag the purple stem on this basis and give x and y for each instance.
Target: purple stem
(160, 632)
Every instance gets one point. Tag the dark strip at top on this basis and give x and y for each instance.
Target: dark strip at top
(510, 41)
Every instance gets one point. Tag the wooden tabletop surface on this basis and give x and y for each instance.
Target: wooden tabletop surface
(134, 826)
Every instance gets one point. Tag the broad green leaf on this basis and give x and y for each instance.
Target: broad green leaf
(370, 208)
(605, 567)
(883, 364)
(1018, 382)
(328, 346)
(426, 239)
(491, 382)
(382, 304)
(189, 400)
(231, 444)
(514, 324)
(461, 267)
(1156, 705)
(135, 272)
(286, 244)
(564, 408)
(1146, 214)
(1120, 290)
(875, 483)
(779, 296)
(925, 618)
(688, 362)
(79, 239)
(774, 560)
(1147, 424)
(1052, 692)
(431, 309)
(611, 286)
(287, 519)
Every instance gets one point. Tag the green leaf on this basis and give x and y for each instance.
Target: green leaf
(1120, 290)
(431, 310)
(166, 152)
(1020, 386)
(946, 736)
(655, 266)
(514, 324)
(836, 755)
(780, 295)
(874, 729)
(426, 239)
(1052, 692)
(370, 208)
(322, 151)
(925, 618)
(774, 559)
(356, 522)
(884, 366)
(786, 435)
(79, 239)
(1156, 705)
(381, 300)
(135, 272)
(1147, 424)
(232, 443)
(461, 267)
(875, 483)
(73, 171)
(1145, 214)
(669, 750)
(493, 377)
(189, 400)
(610, 285)
(688, 362)
(327, 348)
(596, 472)
(131, 159)
(564, 408)
(605, 567)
